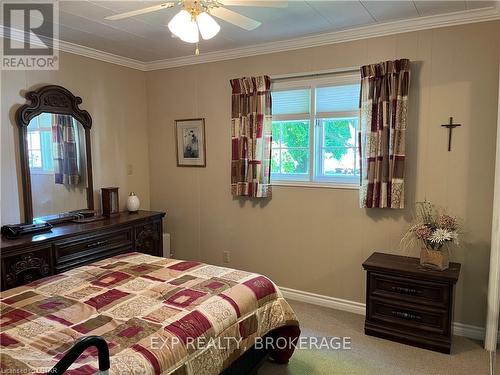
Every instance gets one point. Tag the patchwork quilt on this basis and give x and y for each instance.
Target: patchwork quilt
(158, 316)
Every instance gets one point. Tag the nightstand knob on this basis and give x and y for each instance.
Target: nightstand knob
(406, 315)
(405, 290)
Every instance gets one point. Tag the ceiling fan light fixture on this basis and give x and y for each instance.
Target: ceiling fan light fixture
(183, 26)
(207, 25)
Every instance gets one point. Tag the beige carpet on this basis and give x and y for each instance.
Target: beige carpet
(371, 355)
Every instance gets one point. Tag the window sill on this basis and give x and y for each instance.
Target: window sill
(321, 185)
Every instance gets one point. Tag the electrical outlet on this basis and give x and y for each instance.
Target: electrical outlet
(130, 169)
(225, 256)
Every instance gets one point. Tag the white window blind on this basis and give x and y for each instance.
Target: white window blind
(337, 98)
(291, 102)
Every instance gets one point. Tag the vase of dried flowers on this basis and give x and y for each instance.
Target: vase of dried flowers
(435, 231)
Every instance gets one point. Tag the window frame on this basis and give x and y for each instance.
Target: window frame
(297, 176)
(313, 178)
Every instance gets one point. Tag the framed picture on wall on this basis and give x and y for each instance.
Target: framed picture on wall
(190, 142)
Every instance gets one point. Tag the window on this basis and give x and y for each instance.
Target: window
(40, 144)
(315, 124)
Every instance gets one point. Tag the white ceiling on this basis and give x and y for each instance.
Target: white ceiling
(146, 38)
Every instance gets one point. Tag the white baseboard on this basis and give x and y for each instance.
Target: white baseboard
(325, 301)
(459, 329)
(469, 331)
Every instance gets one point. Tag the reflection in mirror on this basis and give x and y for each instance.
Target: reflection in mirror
(57, 163)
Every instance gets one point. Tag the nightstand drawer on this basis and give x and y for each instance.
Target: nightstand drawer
(409, 289)
(410, 317)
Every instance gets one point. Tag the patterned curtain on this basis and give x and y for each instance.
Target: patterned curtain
(251, 136)
(65, 150)
(383, 112)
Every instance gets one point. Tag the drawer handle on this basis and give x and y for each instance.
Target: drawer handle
(96, 244)
(404, 290)
(406, 315)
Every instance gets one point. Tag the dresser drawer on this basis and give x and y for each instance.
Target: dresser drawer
(26, 266)
(409, 289)
(85, 249)
(411, 318)
(82, 261)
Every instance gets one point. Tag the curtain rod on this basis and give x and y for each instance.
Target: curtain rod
(281, 77)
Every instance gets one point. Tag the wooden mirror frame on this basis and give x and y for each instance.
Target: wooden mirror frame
(58, 100)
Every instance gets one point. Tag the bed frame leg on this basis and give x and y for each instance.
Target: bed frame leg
(80, 346)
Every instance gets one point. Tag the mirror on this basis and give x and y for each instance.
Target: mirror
(57, 162)
(55, 155)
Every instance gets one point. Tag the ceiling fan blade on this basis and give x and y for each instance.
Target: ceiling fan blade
(257, 3)
(132, 13)
(235, 18)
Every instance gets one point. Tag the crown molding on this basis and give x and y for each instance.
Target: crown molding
(76, 49)
(101, 55)
(364, 32)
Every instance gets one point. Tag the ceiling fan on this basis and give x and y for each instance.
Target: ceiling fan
(195, 17)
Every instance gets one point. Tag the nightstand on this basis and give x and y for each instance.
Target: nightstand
(408, 303)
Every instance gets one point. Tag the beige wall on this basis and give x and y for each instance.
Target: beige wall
(316, 239)
(116, 99)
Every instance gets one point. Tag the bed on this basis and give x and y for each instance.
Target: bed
(157, 316)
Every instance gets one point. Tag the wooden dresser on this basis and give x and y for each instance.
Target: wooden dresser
(408, 303)
(70, 245)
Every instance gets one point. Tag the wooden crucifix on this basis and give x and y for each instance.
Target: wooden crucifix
(450, 127)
